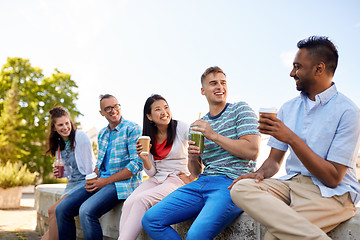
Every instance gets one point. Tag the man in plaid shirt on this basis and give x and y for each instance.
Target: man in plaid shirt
(119, 173)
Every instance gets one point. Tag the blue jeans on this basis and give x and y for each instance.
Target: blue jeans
(90, 207)
(208, 199)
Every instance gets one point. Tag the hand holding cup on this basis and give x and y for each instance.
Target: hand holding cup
(55, 171)
(143, 145)
(91, 176)
(263, 112)
(198, 139)
(59, 169)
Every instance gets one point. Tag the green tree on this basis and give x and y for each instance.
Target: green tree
(10, 124)
(36, 95)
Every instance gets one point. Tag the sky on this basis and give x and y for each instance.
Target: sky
(132, 49)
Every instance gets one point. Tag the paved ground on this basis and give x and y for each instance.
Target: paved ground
(19, 224)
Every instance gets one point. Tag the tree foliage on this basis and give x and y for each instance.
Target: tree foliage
(9, 131)
(26, 96)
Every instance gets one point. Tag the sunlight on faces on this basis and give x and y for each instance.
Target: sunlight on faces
(63, 127)
(114, 115)
(160, 113)
(215, 88)
(302, 71)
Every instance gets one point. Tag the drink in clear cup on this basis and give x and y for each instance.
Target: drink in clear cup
(198, 138)
(145, 142)
(272, 111)
(59, 165)
(91, 176)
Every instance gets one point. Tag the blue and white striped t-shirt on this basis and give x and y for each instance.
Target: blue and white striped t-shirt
(236, 120)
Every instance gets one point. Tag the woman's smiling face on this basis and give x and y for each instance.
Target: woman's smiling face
(160, 113)
(63, 127)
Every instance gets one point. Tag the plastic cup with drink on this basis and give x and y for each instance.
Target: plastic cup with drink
(59, 165)
(145, 142)
(198, 138)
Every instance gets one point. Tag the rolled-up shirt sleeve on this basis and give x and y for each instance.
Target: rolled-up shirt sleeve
(135, 164)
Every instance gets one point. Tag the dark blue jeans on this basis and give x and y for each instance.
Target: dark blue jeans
(90, 207)
(208, 199)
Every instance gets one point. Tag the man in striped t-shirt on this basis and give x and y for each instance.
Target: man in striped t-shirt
(232, 145)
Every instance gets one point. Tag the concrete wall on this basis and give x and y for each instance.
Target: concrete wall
(244, 227)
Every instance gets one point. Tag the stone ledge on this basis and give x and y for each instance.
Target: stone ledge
(244, 227)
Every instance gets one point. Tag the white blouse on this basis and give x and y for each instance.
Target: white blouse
(84, 154)
(177, 159)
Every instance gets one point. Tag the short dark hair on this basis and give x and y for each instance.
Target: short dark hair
(323, 50)
(104, 96)
(210, 70)
(150, 129)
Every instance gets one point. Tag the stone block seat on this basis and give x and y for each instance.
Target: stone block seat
(244, 227)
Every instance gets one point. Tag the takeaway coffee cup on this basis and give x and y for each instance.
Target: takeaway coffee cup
(272, 111)
(145, 142)
(91, 176)
(198, 138)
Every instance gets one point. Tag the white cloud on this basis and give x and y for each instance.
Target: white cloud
(287, 58)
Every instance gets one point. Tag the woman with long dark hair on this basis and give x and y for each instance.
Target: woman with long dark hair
(166, 164)
(73, 146)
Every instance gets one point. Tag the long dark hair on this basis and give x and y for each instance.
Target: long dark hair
(150, 129)
(55, 140)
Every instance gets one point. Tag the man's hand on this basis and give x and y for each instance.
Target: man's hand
(95, 185)
(204, 127)
(268, 124)
(194, 161)
(143, 157)
(193, 150)
(257, 176)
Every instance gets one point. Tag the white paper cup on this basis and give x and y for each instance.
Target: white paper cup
(273, 111)
(91, 176)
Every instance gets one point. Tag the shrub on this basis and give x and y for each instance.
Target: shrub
(12, 176)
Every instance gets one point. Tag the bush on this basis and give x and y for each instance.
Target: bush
(12, 176)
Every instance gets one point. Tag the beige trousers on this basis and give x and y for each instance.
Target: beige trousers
(292, 209)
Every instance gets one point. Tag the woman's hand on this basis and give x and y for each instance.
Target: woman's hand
(143, 157)
(56, 172)
(139, 149)
(185, 178)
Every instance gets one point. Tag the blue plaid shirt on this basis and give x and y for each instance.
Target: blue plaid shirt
(123, 155)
